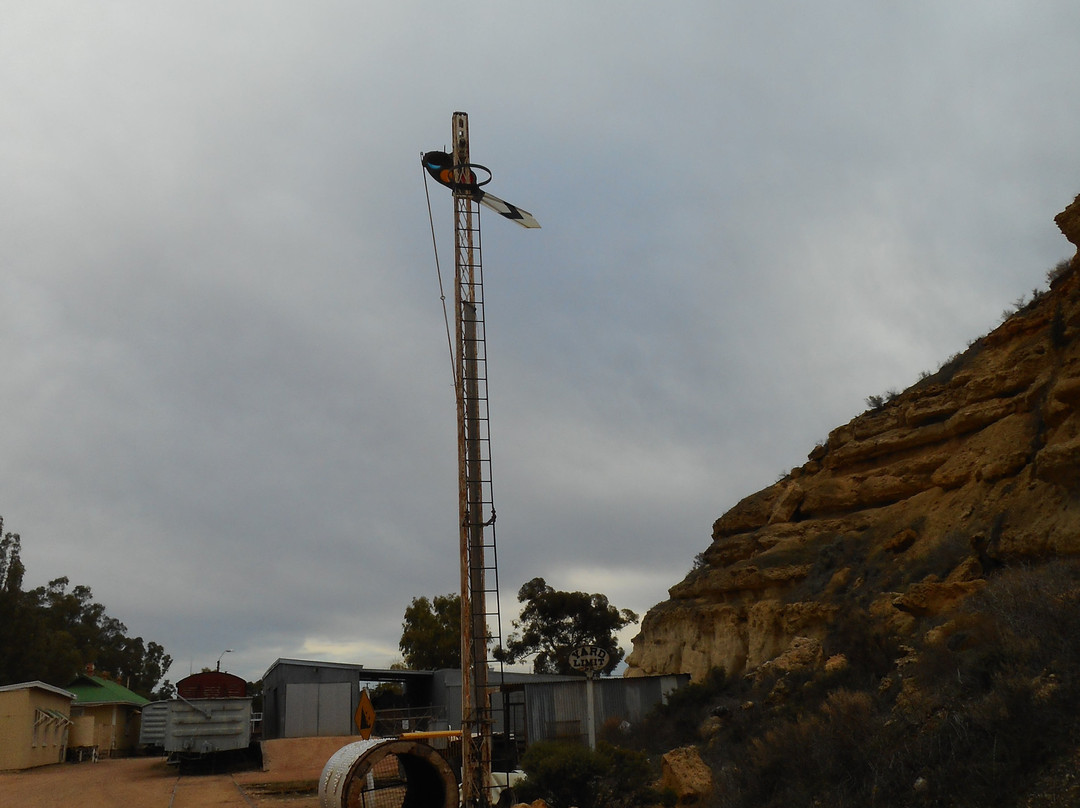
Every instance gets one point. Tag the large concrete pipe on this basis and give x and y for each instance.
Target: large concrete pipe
(388, 773)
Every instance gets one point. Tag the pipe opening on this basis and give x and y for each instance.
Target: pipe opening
(388, 773)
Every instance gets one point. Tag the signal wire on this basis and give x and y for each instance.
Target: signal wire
(438, 272)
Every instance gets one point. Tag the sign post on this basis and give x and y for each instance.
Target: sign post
(589, 659)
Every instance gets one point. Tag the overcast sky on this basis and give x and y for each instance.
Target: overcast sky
(228, 402)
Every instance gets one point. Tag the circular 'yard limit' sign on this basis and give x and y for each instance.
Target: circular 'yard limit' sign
(588, 658)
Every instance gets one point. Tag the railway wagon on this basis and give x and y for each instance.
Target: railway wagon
(196, 727)
(211, 713)
(152, 726)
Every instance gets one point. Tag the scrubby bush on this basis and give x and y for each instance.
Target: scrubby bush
(970, 716)
(867, 645)
(627, 779)
(970, 719)
(567, 774)
(874, 403)
(676, 721)
(828, 757)
(561, 774)
(1060, 270)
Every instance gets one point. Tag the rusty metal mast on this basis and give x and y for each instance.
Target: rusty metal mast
(481, 623)
(475, 506)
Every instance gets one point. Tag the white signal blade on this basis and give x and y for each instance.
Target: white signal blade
(512, 212)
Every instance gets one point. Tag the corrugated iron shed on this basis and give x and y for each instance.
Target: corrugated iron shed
(558, 711)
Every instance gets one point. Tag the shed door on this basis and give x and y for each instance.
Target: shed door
(335, 709)
(318, 709)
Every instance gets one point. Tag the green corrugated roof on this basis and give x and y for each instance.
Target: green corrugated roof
(95, 690)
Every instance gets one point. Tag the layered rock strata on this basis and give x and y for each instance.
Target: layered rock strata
(904, 510)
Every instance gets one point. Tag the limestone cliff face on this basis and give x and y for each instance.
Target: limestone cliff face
(905, 509)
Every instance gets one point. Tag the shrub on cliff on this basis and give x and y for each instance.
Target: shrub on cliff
(969, 719)
(567, 774)
(676, 721)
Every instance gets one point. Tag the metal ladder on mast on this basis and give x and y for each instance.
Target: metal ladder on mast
(481, 618)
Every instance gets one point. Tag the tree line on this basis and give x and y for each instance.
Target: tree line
(552, 624)
(51, 633)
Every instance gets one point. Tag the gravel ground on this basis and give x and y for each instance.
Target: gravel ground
(148, 783)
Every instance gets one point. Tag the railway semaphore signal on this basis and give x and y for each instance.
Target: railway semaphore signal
(481, 623)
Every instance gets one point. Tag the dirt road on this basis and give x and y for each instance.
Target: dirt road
(149, 783)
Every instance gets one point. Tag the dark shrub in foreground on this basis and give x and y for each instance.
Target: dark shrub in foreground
(565, 775)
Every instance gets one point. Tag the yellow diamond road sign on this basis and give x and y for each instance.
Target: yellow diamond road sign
(365, 716)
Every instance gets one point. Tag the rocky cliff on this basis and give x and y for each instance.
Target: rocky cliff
(904, 511)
